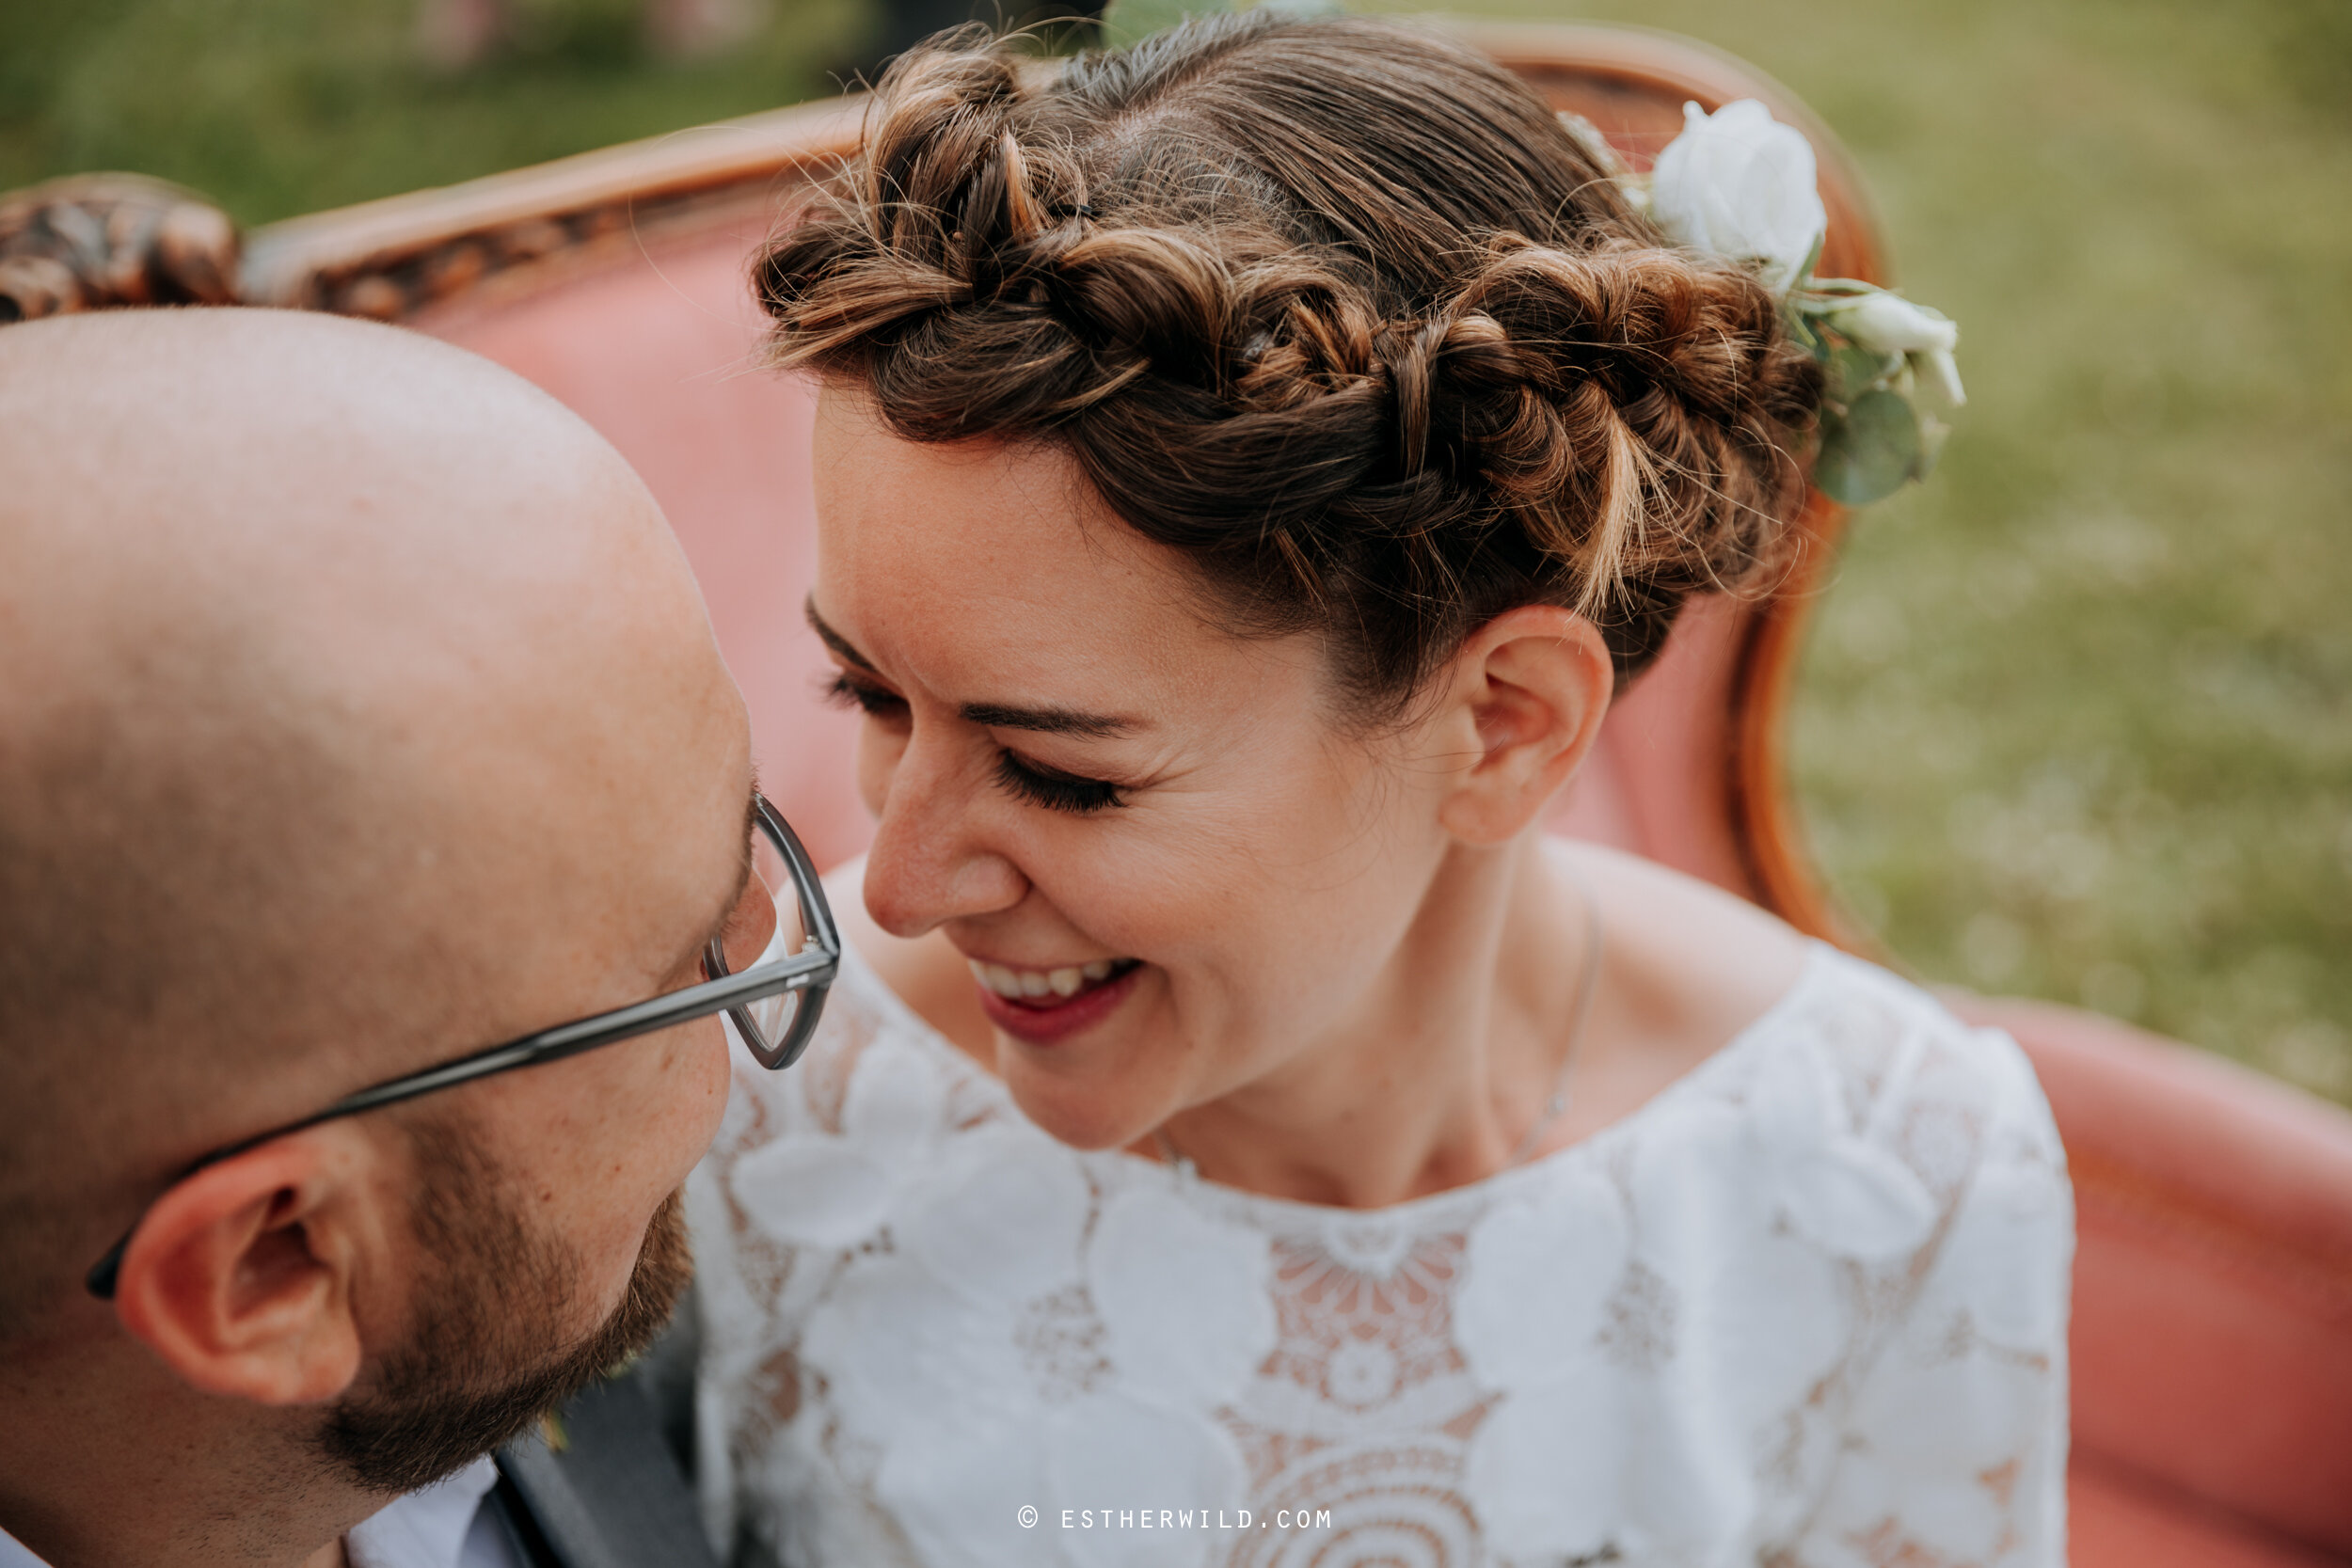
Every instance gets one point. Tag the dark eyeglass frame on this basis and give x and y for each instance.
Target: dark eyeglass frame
(811, 970)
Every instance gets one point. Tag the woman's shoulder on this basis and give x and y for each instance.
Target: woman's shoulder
(1885, 1128)
(1687, 965)
(1857, 1121)
(1694, 963)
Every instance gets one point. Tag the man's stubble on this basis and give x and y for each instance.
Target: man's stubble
(477, 1370)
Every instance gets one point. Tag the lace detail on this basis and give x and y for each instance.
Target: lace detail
(1806, 1309)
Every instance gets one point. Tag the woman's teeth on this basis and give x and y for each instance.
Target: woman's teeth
(1032, 985)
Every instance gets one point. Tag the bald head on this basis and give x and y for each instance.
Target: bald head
(342, 673)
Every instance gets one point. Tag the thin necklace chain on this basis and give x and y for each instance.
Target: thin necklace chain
(1587, 983)
(1556, 1103)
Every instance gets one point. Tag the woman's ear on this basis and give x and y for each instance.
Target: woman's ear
(1531, 686)
(240, 1277)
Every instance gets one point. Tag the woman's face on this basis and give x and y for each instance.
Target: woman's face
(1173, 875)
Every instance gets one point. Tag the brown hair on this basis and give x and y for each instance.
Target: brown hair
(1336, 306)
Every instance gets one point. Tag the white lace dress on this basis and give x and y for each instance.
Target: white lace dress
(1805, 1307)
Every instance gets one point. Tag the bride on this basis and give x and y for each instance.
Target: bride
(1248, 466)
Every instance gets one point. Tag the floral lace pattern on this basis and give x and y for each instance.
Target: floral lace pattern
(1806, 1309)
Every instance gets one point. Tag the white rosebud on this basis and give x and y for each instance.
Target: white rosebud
(1740, 185)
(1879, 323)
(1939, 377)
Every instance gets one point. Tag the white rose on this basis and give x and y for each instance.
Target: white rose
(1737, 184)
(1879, 323)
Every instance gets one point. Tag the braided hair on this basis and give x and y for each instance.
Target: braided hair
(1334, 306)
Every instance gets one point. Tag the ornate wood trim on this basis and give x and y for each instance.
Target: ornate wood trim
(392, 258)
(1765, 820)
(91, 241)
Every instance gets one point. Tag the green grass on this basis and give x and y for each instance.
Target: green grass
(2077, 713)
(274, 107)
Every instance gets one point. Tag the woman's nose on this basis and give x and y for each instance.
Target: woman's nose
(931, 860)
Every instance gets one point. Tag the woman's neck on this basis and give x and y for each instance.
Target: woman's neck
(1437, 1078)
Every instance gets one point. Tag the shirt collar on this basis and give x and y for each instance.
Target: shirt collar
(425, 1529)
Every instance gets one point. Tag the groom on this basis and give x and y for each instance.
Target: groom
(356, 712)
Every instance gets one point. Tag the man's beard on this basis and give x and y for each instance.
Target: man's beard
(481, 1365)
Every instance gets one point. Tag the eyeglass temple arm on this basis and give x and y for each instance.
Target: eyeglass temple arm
(549, 1045)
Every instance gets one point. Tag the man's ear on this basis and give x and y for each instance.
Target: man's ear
(1531, 686)
(242, 1277)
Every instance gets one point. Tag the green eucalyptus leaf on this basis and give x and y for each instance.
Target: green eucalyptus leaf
(1853, 372)
(1870, 452)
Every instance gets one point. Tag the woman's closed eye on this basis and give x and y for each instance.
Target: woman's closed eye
(875, 702)
(1031, 781)
(1052, 788)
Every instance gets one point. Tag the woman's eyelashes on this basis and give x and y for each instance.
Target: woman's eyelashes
(875, 702)
(1054, 789)
(1026, 781)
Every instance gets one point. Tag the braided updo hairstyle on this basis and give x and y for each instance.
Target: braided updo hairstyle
(1334, 306)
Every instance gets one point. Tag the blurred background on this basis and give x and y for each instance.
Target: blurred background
(2076, 717)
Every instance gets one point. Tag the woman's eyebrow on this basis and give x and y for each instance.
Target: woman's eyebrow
(994, 716)
(1047, 720)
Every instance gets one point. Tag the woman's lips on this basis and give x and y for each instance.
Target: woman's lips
(1050, 1018)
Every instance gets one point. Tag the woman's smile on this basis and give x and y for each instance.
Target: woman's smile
(1044, 1006)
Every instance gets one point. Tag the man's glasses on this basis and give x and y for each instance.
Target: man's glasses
(768, 970)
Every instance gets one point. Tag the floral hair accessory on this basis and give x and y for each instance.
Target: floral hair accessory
(1738, 185)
